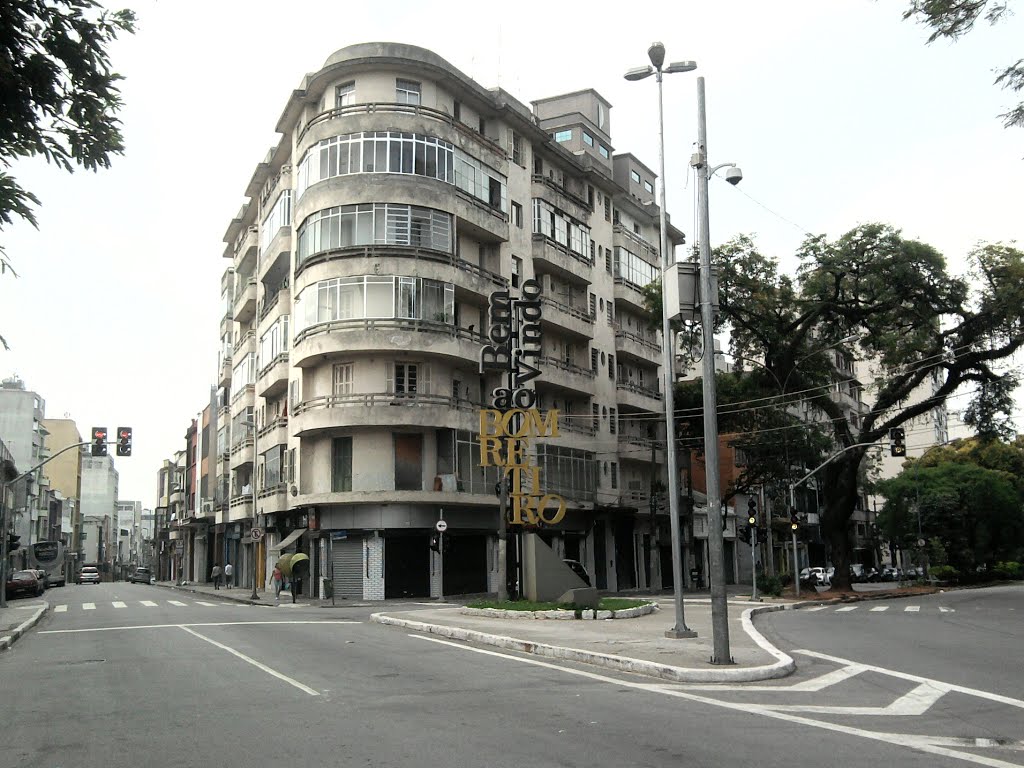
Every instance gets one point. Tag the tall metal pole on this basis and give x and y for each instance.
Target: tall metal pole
(796, 561)
(679, 629)
(716, 545)
(255, 517)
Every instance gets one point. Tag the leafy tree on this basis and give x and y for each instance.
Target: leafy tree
(954, 18)
(58, 95)
(917, 325)
(989, 411)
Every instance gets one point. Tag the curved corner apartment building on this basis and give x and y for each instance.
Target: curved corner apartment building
(401, 194)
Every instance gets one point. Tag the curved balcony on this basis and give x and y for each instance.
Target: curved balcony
(274, 433)
(636, 448)
(548, 189)
(630, 295)
(558, 374)
(245, 302)
(486, 501)
(277, 252)
(633, 397)
(224, 380)
(551, 256)
(273, 378)
(632, 242)
(273, 306)
(630, 345)
(572, 321)
(246, 246)
(376, 409)
(240, 508)
(243, 398)
(272, 499)
(468, 278)
(345, 337)
(244, 345)
(241, 453)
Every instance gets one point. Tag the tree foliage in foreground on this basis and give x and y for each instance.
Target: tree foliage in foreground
(58, 95)
(921, 329)
(953, 18)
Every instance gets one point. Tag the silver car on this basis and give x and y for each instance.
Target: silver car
(90, 575)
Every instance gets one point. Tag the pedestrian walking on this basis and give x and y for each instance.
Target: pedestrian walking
(229, 571)
(215, 575)
(278, 581)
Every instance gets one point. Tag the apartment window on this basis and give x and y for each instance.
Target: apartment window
(605, 153)
(562, 136)
(407, 91)
(608, 260)
(588, 139)
(343, 381)
(407, 378)
(612, 421)
(607, 208)
(345, 94)
(374, 297)
(593, 251)
(590, 196)
(291, 465)
(593, 362)
(611, 367)
(614, 475)
(517, 214)
(344, 226)
(635, 177)
(517, 271)
(457, 110)
(341, 464)
(593, 305)
(611, 313)
(408, 462)
(456, 390)
(600, 115)
(648, 186)
(483, 127)
(517, 148)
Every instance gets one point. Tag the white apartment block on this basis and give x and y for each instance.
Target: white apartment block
(400, 196)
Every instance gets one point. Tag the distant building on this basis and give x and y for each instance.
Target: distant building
(22, 414)
(65, 473)
(99, 501)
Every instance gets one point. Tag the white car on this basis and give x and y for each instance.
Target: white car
(820, 575)
(90, 575)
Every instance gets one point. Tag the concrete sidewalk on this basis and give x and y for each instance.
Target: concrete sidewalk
(239, 594)
(630, 645)
(17, 618)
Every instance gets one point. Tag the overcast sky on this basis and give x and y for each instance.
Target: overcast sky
(837, 112)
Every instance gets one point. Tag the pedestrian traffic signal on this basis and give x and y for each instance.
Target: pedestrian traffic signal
(13, 542)
(99, 441)
(897, 441)
(124, 441)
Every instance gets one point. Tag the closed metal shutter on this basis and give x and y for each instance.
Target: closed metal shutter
(347, 563)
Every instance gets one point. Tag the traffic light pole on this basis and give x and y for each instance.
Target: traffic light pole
(753, 564)
(4, 523)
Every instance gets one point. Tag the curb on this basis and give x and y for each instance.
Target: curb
(783, 666)
(8, 640)
(231, 598)
(561, 615)
(861, 598)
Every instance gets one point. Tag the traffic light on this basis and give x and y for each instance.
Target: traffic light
(897, 441)
(744, 533)
(435, 542)
(13, 542)
(124, 441)
(794, 520)
(99, 441)
(751, 513)
(762, 535)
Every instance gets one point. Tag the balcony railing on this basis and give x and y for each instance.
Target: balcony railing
(629, 386)
(618, 229)
(568, 367)
(404, 252)
(577, 312)
(367, 324)
(539, 178)
(561, 248)
(266, 429)
(637, 339)
(371, 399)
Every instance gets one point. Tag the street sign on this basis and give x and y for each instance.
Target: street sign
(256, 534)
(441, 526)
(921, 542)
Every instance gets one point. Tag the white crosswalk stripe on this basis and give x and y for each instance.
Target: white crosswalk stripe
(943, 609)
(148, 603)
(119, 604)
(176, 602)
(209, 605)
(846, 608)
(88, 606)
(880, 608)
(61, 609)
(912, 609)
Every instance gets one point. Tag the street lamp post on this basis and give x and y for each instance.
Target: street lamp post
(656, 53)
(255, 519)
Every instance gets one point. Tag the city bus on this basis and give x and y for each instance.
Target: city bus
(49, 556)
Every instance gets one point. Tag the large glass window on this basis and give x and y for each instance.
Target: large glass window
(553, 223)
(273, 466)
(344, 94)
(633, 269)
(374, 296)
(374, 224)
(407, 91)
(280, 216)
(567, 472)
(561, 136)
(243, 374)
(274, 341)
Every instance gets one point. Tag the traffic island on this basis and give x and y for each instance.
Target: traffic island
(608, 608)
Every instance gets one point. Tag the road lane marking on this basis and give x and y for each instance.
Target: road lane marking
(119, 604)
(177, 602)
(250, 660)
(950, 610)
(918, 679)
(209, 605)
(912, 704)
(846, 608)
(61, 609)
(880, 608)
(912, 609)
(88, 606)
(814, 684)
(148, 603)
(191, 624)
(902, 740)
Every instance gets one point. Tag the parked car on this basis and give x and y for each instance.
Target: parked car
(579, 570)
(43, 577)
(890, 573)
(22, 583)
(815, 575)
(141, 576)
(90, 574)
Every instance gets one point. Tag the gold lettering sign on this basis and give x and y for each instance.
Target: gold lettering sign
(513, 430)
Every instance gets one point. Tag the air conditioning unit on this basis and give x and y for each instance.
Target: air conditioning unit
(207, 507)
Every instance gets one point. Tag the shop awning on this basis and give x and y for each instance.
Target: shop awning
(287, 540)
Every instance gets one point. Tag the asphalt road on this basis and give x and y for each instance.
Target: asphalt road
(153, 677)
